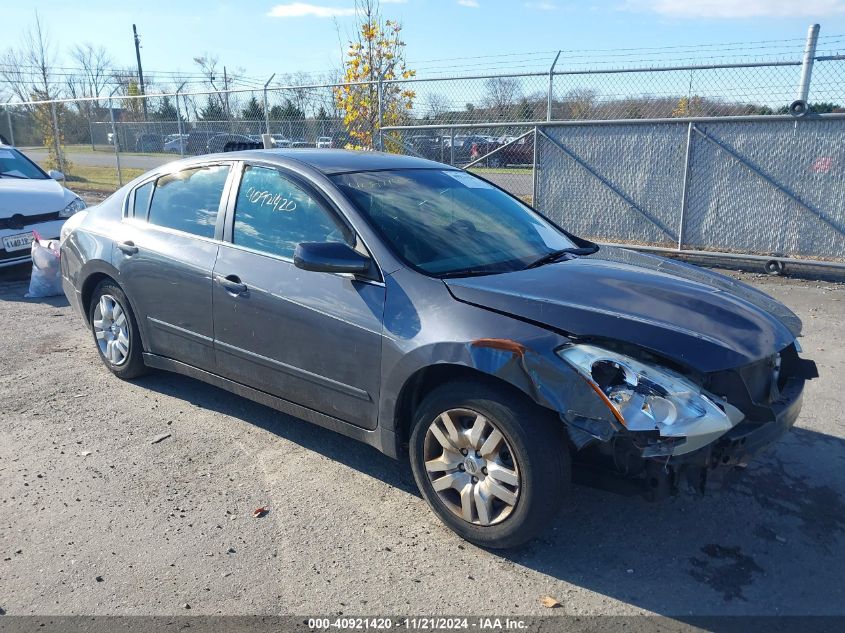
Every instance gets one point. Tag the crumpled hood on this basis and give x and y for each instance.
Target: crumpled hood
(28, 196)
(698, 318)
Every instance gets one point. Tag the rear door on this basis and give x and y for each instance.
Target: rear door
(309, 337)
(166, 255)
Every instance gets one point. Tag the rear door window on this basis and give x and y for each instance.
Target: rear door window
(189, 200)
(141, 200)
(273, 214)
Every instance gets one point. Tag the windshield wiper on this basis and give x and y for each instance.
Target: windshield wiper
(469, 272)
(8, 175)
(554, 256)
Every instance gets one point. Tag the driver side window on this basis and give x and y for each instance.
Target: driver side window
(273, 214)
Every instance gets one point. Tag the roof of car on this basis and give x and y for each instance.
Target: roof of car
(337, 161)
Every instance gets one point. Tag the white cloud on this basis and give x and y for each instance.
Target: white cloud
(737, 8)
(472, 4)
(541, 6)
(302, 9)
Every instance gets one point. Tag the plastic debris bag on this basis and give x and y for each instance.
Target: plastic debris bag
(46, 280)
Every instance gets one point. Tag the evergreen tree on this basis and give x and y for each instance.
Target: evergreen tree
(212, 111)
(253, 110)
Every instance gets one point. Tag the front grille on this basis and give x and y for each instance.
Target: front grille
(18, 221)
(752, 388)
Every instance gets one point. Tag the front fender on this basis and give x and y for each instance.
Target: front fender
(540, 375)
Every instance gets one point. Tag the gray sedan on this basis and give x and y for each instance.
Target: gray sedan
(428, 313)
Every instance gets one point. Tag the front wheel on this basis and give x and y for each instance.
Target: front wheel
(492, 465)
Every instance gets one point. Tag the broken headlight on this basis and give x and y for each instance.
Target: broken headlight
(647, 398)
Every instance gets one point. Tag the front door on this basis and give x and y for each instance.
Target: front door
(308, 337)
(166, 254)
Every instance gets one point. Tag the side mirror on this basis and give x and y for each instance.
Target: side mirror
(330, 257)
(56, 175)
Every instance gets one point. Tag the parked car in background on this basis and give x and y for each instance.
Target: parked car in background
(197, 142)
(230, 142)
(427, 312)
(324, 142)
(473, 146)
(175, 143)
(279, 140)
(519, 152)
(149, 143)
(31, 200)
(300, 143)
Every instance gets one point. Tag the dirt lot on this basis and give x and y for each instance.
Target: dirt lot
(96, 519)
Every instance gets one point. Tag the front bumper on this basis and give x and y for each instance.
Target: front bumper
(746, 439)
(735, 448)
(47, 230)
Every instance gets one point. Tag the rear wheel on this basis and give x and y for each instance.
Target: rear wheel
(116, 331)
(493, 466)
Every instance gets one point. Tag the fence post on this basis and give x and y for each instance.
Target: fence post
(807, 63)
(59, 155)
(267, 106)
(11, 129)
(380, 97)
(114, 139)
(534, 171)
(179, 122)
(452, 146)
(551, 89)
(687, 155)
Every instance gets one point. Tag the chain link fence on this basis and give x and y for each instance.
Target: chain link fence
(621, 166)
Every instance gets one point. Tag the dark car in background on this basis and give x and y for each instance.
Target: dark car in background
(149, 143)
(197, 142)
(422, 310)
(231, 143)
(518, 152)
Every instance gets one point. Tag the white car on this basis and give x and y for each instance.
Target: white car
(325, 141)
(175, 143)
(30, 200)
(279, 140)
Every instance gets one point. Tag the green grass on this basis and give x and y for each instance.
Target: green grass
(99, 149)
(102, 179)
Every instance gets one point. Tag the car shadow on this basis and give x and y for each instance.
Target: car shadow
(746, 548)
(333, 445)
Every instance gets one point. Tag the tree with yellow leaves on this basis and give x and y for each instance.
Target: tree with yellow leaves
(375, 59)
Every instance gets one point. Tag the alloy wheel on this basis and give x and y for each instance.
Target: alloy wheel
(111, 329)
(472, 467)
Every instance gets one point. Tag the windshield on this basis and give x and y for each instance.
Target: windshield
(450, 223)
(15, 165)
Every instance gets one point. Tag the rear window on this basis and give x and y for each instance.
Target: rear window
(141, 201)
(189, 200)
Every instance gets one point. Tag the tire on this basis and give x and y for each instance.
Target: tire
(775, 267)
(537, 474)
(122, 328)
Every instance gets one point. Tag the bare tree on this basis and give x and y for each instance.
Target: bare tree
(502, 95)
(95, 69)
(28, 70)
(436, 105)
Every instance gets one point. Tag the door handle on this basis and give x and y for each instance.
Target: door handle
(128, 247)
(232, 284)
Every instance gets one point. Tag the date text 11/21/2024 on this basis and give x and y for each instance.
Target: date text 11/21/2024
(421, 623)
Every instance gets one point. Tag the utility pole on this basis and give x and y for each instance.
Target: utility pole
(226, 92)
(140, 70)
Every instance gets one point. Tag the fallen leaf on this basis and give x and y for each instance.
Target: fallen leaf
(549, 602)
(159, 438)
(260, 512)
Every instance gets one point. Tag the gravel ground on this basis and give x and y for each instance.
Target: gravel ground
(96, 519)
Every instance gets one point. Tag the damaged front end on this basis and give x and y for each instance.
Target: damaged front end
(673, 430)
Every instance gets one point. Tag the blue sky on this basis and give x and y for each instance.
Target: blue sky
(442, 36)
